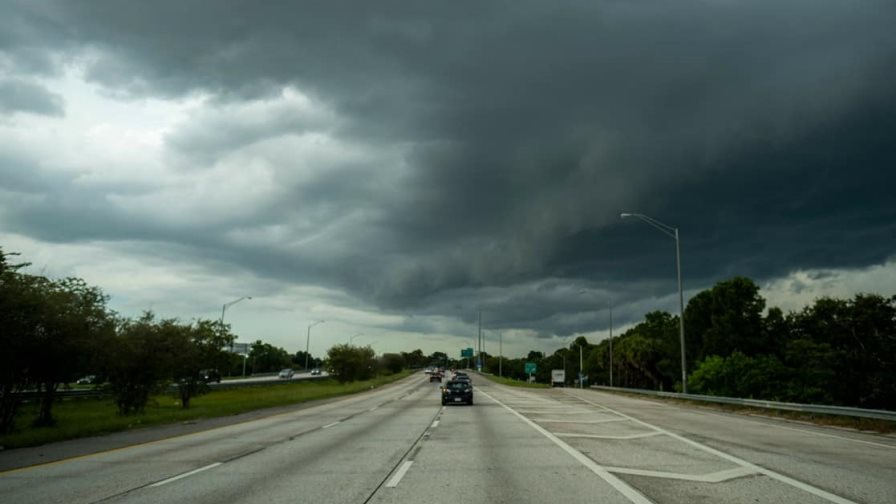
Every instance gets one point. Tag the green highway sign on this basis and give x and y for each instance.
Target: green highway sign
(466, 352)
(530, 368)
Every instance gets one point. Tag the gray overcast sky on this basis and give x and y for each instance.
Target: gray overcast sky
(392, 167)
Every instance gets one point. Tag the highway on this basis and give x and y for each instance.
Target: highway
(397, 444)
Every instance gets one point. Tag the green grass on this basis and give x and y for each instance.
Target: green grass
(88, 417)
(515, 383)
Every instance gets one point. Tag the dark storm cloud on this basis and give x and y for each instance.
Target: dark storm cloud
(22, 96)
(763, 129)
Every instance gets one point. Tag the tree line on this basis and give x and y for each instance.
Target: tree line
(55, 331)
(834, 351)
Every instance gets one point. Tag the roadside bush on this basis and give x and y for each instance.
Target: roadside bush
(391, 362)
(349, 363)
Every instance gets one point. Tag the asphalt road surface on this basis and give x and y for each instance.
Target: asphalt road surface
(398, 444)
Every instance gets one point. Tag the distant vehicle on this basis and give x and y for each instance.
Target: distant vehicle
(463, 378)
(457, 392)
(435, 377)
(286, 373)
(210, 375)
(558, 377)
(428, 370)
(315, 372)
(87, 380)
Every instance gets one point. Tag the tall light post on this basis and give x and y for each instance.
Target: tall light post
(224, 308)
(611, 341)
(673, 232)
(479, 361)
(501, 354)
(308, 341)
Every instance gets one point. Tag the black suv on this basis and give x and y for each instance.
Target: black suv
(457, 392)
(210, 375)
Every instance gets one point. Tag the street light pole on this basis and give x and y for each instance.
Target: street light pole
(224, 311)
(479, 362)
(501, 354)
(611, 342)
(673, 232)
(581, 371)
(225, 306)
(308, 341)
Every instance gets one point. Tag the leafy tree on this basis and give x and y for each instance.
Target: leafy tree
(739, 375)
(725, 319)
(350, 363)
(298, 360)
(268, 358)
(20, 305)
(202, 345)
(415, 359)
(139, 363)
(51, 330)
(392, 362)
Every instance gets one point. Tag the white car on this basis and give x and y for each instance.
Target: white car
(286, 373)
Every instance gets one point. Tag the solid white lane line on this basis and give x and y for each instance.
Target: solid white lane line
(184, 475)
(435, 423)
(331, 424)
(554, 412)
(623, 488)
(396, 478)
(805, 431)
(741, 462)
(599, 436)
(374, 408)
(562, 420)
(716, 477)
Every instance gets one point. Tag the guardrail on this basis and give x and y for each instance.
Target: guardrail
(758, 403)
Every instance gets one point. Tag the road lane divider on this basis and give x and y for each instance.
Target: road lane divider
(396, 478)
(184, 475)
(630, 493)
(331, 424)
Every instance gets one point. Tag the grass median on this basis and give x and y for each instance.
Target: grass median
(77, 418)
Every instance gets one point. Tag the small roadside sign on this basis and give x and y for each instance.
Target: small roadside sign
(530, 368)
(466, 352)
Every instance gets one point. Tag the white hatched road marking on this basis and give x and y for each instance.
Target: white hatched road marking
(716, 477)
(599, 436)
(435, 423)
(396, 478)
(731, 458)
(623, 488)
(184, 475)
